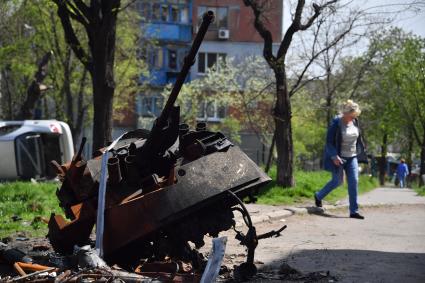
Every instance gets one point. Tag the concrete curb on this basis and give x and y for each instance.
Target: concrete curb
(282, 213)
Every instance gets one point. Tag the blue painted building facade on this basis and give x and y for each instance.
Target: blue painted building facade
(168, 23)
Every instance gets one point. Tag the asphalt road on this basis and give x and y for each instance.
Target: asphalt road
(388, 246)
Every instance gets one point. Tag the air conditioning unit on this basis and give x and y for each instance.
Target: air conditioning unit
(223, 34)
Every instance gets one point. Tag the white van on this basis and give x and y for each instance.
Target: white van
(27, 147)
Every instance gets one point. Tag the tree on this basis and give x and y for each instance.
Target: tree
(19, 56)
(282, 112)
(30, 30)
(392, 93)
(72, 79)
(242, 87)
(407, 72)
(99, 19)
(35, 89)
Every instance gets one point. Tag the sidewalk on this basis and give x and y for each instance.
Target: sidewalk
(388, 196)
(385, 196)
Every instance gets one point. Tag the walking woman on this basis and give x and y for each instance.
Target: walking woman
(343, 151)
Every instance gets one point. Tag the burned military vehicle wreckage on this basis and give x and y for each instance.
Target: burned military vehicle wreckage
(165, 188)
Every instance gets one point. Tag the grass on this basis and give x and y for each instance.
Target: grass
(32, 201)
(419, 190)
(28, 203)
(307, 183)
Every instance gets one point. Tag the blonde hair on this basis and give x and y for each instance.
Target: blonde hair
(350, 106)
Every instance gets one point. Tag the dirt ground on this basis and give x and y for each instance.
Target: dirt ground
(388, 246)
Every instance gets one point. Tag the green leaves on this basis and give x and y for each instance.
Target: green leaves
(244, 88)
(396, 87)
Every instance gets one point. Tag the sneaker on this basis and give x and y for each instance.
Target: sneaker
(356, 215)
(317, 201)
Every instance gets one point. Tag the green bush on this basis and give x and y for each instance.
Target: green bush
(22, 204)
(307, 183)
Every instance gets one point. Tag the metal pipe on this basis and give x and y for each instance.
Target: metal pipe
(131, 170)
(114, 170)
(201, 126)
(122, 154)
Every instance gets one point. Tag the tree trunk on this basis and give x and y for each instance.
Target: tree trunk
(383, 160)
(328, 93)
(34, 91)
(283, 132)
(7, 99)
(409, 160)
(69, 105)
(102, 115)
(422, 170)
(270, 156)
(100, 21)
(102, 45)
(81, 109)
(328, 108)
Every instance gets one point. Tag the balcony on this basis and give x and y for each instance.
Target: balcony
(174, 32)
(163, 77)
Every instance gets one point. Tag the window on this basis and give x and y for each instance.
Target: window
(29, 155)
(182, 55)
(219, 12)
(172, 59)
(184, 14)
(158, 58)
(209, 60)
(156, 11)
(211, 111)
(201, 11)
(151, 106)
(221, 20)
(176, 11)
(144, 9)
(201, 63)
(165, 15)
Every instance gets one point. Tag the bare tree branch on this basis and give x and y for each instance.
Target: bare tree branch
(70, 35)
(127, 5)
(83, 8)
(262, 30)
(333, 43)
(297, 25)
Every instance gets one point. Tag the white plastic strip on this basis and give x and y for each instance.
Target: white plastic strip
(100, 221)
(214, 261)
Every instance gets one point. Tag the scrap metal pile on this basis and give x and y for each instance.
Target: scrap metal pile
(164, 190)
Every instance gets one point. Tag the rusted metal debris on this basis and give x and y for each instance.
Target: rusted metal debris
(165, 188)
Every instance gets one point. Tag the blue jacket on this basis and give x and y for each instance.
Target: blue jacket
(333, 144)
(402, 170)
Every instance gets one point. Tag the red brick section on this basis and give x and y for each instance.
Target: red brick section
(263, 109)
(241, 20)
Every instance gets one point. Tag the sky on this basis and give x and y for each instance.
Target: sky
(405, 16)
(410, 19)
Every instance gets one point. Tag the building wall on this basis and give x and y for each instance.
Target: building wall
(236, 50)
(169, 24)
(242, 41)
(240, 20)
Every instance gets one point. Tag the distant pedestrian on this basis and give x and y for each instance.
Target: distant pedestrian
(344, 149)
(402, 172)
